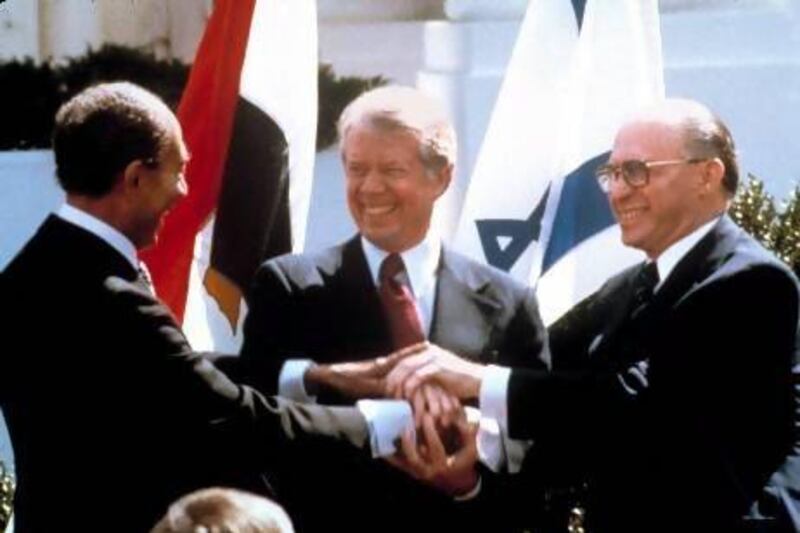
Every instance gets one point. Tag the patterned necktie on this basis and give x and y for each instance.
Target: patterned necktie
(145, 279)
(399, 304)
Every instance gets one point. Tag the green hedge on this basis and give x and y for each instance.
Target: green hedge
(30, 93)
(7, 486)
(778, 229)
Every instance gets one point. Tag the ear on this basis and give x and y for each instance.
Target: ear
(132, 175)
(443, 178)
(712, 175)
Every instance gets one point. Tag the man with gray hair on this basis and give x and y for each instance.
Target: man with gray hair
(677, 382)
(390, 286)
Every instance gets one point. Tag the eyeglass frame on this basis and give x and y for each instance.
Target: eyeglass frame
(605, 174)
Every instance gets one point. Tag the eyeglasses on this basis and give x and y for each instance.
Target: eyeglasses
(636, 173)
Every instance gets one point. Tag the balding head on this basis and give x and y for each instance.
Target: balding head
(704, 135)
(672, 170)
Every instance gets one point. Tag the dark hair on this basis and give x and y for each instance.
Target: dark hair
(103, 129)
(224, 511)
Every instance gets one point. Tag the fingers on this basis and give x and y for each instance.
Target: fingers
(394, 358)
(383, 365)
(466, 455)
(409, 459)
(418, 406)
(433, 400)
(437, 456)
(443, 406)
(396, 381)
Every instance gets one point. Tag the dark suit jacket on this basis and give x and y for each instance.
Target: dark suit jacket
(325, 307)
(685, 418)
(110, 413)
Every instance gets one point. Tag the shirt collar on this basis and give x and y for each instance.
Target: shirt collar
(421, 262)
(666, 262)
(101, 230)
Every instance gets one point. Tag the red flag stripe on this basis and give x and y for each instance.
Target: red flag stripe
(206, 114)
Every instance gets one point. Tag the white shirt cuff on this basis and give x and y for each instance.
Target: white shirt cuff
(495, 448)
(493, 393)
(291, 380)
(387, 420)
(490, 445)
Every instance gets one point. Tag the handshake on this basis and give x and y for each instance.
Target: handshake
(435, 382)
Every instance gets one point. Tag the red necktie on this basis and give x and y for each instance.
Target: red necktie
(399, 304)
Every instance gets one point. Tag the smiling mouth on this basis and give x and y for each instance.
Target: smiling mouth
(629, 214)
(378, 210)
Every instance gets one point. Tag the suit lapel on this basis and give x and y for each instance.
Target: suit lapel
(689, 274)
(464, 309)
(364, 316)
(700, 263)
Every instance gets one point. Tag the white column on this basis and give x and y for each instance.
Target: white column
(19, 29)
(464, 62)
(68, 28)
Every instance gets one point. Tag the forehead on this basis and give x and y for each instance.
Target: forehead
(174, 146)
(647, 141)
(364, 142)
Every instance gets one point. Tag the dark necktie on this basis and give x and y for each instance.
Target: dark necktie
(398, 303)
(644, 287)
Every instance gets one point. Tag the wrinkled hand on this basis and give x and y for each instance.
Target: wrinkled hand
(432, 364)
(452, 472)
(437, 402)
(359, 379)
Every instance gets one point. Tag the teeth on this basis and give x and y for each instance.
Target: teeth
(378, 210)
(626, 215)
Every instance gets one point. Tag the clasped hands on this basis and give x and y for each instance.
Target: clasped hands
(434, 381)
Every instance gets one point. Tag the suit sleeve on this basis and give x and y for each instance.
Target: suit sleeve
(525, 343)
(272, 318)
(555, 401)
(200, 392)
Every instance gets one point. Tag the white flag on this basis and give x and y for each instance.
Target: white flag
(517, 159)
(617, 70)
(534, 207)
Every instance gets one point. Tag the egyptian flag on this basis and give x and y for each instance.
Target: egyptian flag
(249, 115)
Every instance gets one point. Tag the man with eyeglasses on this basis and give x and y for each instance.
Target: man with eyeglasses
(673, 404)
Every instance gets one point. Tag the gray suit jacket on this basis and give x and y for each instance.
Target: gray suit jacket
(325, 307)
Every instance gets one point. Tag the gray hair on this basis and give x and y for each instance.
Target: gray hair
(394, 108)
(226, 511)
(704, 135)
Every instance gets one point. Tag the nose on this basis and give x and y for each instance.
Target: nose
(182, 187)
(618, 188)
(372, 182)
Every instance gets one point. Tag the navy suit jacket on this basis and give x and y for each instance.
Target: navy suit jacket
(111, 415)
(684, 418)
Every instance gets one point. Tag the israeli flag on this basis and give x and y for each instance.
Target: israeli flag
(534, 208)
